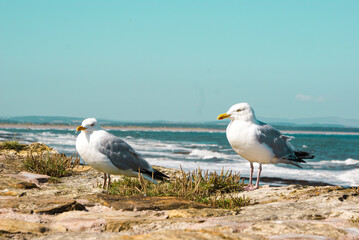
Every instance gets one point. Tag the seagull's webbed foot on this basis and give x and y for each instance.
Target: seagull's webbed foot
(250, 187)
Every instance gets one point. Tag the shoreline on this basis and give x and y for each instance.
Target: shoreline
(169, 129)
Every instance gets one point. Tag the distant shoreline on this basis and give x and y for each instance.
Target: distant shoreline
(143, 128)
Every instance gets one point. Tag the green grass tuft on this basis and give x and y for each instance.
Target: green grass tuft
(53, 165)
(12, 145)
(217, 190)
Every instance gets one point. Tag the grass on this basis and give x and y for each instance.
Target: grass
(53, 165)
(217, 190)
(354, 219)
(12, 145)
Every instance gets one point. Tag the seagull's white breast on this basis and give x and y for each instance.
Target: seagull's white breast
(87, 146)
(242, 136)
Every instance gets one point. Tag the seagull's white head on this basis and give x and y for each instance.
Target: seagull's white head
(239, 111)
(88, 125)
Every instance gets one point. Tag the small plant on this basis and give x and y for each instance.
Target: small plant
(217, 190)
(354, 219)
(12, 145)
(53, 165)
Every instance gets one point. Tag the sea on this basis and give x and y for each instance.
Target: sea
(206, 147)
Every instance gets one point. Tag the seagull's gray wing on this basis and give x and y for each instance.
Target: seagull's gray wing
(122, 155)
(276, 141)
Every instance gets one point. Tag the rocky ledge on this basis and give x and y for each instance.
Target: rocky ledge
(34, 206)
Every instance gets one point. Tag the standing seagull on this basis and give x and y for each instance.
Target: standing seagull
(110, 154)
(259, 142)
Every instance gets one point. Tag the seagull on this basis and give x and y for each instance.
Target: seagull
(259, 142)
(111, 155)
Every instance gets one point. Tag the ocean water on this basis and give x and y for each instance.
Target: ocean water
(336, 161)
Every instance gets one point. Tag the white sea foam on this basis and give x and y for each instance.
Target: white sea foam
(348, 161)
(207, 154)
(51, 138)
(350, 177)
(344, 177)
(4, 132)
(201, 145)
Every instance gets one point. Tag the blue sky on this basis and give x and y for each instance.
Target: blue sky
(179, 60)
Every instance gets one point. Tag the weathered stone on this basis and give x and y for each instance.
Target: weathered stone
(275, 228)
(82, 168)
(59, 205)
(23, 185)
(17, 226)
(31, 177)
(139, 203)
(44, 205)
(7, 192)
(191, 234)
(79, 236)
(195, 213)
(8, 181)
(81, 221)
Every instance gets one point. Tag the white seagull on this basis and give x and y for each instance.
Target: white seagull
(259, 142)
(110, 154)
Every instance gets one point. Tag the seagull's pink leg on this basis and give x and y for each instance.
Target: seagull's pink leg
(109, 181)
(258, 177)
(104, 180)
(250, 186)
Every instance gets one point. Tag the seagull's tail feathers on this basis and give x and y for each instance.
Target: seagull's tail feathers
(149, 178)
(296, 158)
(158, 175)
(303, 155)
(152, 176)
(291, 162)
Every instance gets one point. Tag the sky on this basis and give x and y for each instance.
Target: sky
(185, 61)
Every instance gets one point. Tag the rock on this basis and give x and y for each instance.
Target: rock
(82, 168)
(299, 228)
(44, 205)
(30, 178)
(6, 192)
(80, 221)
(99, 219)
(175, 234)
(205, 234)
(59, 205)
(140, 203)
(17, 226)
(79, 236)
(199, 213)
(10, 181)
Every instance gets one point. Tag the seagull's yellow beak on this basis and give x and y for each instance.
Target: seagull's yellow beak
(80, 128)
(223, 116)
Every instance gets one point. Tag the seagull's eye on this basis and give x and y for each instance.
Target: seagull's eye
(92, 125)
(238, 110)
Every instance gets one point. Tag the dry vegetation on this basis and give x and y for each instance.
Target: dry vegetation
(12, 145)
(53, 165)
(217, 190)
